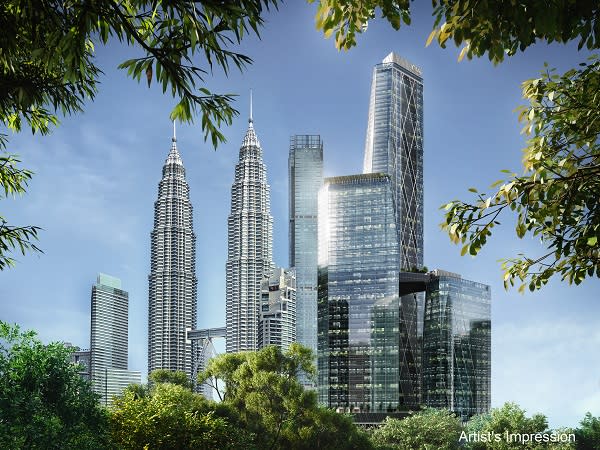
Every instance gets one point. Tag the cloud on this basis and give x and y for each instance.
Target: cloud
(79, 192)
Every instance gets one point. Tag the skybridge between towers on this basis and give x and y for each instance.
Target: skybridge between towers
(202, 350)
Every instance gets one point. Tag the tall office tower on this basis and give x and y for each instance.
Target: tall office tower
(457, 345)
(249, 246)
(394, 145)
(305, 178)
(109, 339)
(172, 281)
(277, 324)
(358, 323)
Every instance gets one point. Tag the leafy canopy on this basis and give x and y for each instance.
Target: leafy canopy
(495, 28)
(588, 433)
(273, 406)
(49, 68)
(557, 196)
(169, 416)
(167, 376)
(430, 428)
(512, 419)
(44, 402)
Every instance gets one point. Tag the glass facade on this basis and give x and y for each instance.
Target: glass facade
(306, 178)
(358, 304)
(457, 345)
(394, 145)
(172, 303)
(249, 245)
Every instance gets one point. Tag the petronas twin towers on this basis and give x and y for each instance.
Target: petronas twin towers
(250, 245)
(172, 303)
(172, 281)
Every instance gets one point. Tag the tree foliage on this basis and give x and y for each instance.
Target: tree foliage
(177, 377)
(427, 429)
(588, 433)
(44, 402)
(557, 196)
(169, 416)
(494, 29)
(511, 419)
(273, 406)
(48, 67)
(13, 181)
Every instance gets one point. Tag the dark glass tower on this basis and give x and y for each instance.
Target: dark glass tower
(457, 345)
(172, 281)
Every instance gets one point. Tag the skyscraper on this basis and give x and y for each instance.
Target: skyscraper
(306, 178)
(394, 145)
(277, 325)
(109, 339)
(172, 281)
(358, 334)
(457, 345)
(249, 245)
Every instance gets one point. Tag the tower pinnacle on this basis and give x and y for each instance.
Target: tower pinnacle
(250, 120)
(174, 135)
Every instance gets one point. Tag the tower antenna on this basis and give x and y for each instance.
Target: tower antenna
(251, 120)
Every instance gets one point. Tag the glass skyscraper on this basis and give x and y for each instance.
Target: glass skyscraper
(457, 345)
(109, 339)
(249, 245)
(305, 178)
(394, 145)
(172, 281)
(358, 322)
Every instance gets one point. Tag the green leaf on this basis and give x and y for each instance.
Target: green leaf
(431, 37)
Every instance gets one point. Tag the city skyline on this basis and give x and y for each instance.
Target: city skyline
(466, 103)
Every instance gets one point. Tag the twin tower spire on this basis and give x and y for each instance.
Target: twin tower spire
(172, 302)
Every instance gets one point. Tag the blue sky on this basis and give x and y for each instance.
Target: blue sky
(96, 181)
